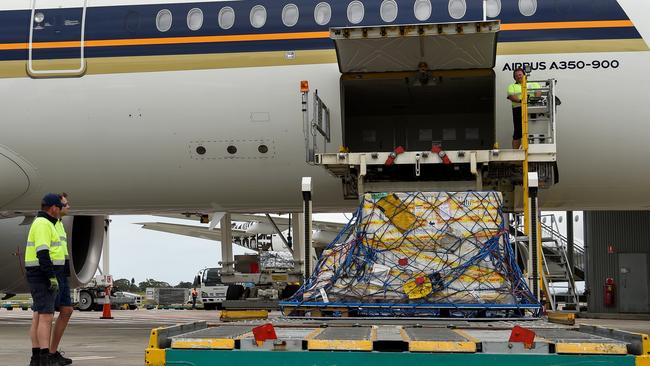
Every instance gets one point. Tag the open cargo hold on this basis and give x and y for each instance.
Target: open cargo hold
(418, 86)
(419, 253)
(455, 109)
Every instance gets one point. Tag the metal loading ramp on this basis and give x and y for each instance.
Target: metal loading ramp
(440, 341)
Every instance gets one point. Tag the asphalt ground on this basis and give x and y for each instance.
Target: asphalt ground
(121, 341)
(89, 340)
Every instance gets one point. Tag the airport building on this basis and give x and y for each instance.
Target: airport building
(618, 248)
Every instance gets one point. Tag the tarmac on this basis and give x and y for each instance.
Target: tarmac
(121, 341)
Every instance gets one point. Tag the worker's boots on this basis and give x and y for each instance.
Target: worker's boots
(33, 361)
(57, 359)
(44, 359)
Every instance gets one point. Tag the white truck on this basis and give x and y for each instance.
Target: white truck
(211, 291)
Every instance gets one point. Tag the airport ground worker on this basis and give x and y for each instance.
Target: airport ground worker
(39, 270)
(194, 295)
(63, 302)
(514, 95)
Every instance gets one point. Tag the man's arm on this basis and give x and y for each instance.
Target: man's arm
(42, 241)
(538, 93)
(45, 263)
(512, 94)
(514, 98)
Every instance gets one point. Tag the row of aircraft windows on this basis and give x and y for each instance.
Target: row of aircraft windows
(323, 13)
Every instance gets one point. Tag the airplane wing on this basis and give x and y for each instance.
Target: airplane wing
(188, 230)
(283, 222)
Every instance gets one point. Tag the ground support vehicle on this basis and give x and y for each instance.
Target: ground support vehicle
(395, 341)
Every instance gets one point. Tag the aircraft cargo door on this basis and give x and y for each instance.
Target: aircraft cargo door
(56, 38)
(447, 46)
(417, 86)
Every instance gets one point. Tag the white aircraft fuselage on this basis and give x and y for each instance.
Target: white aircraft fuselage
(120, 135)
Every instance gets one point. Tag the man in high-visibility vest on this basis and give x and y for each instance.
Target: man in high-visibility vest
(514, 95)
(63, 302)
(39, 270)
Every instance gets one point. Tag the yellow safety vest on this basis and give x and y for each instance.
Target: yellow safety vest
(42, 236)
(515, 89)
(61, 252)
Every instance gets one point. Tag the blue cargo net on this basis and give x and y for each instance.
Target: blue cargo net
(420, 254)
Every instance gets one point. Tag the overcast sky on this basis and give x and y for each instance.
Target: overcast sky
(141, 254)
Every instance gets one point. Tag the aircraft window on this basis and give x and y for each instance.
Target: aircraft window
(258, 16)
(226, 17)
(164, 20)
(322, 13)
(388, 11)
(528, 7)
(422, 9)
(195, 19)
(493, 8)
(290, 15)
(457, 8)
(355, 12)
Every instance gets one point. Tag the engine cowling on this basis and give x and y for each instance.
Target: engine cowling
(323, 238)
(85, 242)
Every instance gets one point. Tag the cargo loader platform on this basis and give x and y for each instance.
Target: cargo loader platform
(419, 113)
(495, 169)
(443, 342)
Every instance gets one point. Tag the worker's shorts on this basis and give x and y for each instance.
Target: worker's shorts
(43, 298)
(63, 297)
(516, 121)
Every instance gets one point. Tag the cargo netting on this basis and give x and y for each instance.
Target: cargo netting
(421, 254)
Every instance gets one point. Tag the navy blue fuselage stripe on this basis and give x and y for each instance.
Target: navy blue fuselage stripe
(138, 21)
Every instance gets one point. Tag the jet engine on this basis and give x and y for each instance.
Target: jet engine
(85, 241)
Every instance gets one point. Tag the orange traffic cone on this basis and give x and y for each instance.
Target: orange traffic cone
(106, 311)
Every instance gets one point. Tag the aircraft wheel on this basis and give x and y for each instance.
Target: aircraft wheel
(85, 301)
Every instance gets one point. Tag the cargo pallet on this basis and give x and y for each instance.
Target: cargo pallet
(448, 342)
(319, 309)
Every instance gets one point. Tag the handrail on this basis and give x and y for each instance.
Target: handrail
(579, 257)
(546, 100)
(318, 125)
